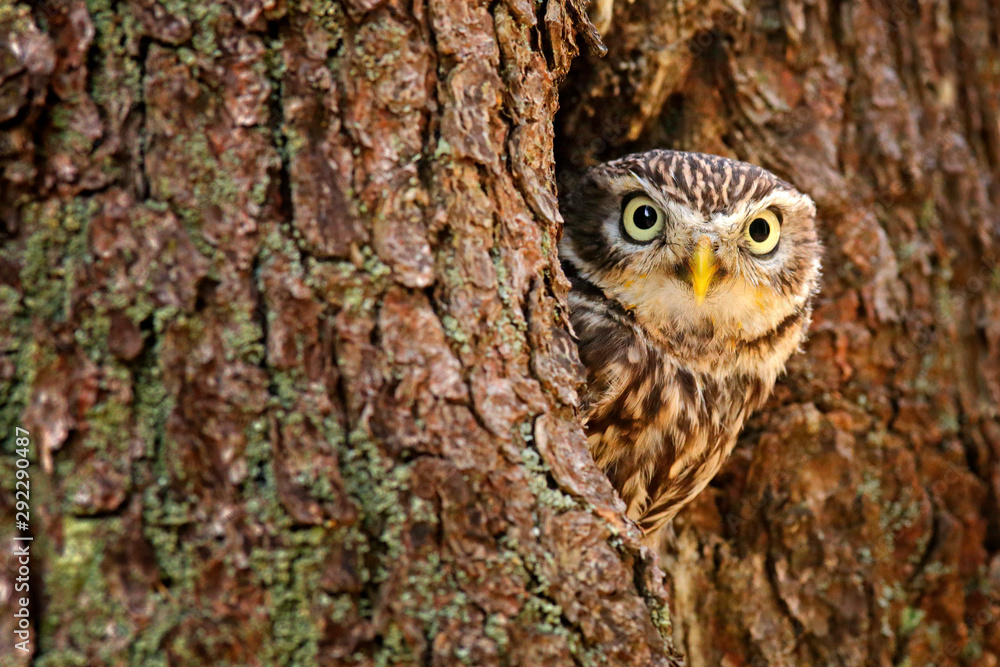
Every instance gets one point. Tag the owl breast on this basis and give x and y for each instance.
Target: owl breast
(660, 419)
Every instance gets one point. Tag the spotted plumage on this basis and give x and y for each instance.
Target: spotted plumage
(692, 282)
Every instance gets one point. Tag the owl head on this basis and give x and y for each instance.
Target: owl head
(694, 245)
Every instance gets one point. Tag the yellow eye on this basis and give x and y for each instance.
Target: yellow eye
(763, 232)
(642, 219)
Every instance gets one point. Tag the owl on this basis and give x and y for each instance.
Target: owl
(692, 283)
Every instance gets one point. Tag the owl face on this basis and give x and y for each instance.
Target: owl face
(694, 244)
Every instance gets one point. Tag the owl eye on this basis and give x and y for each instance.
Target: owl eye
(642, 219)
(763, 232)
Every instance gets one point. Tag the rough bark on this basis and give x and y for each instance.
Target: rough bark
(281, 309)
(858, 521)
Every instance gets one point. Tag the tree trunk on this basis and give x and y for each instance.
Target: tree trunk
(858, 522)
(282, 313)
(280, 308)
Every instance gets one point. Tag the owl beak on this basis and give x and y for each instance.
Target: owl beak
(703, 269)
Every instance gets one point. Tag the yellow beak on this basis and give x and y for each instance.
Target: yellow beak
(703, 269)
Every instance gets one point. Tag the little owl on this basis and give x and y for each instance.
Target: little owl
(693, 277)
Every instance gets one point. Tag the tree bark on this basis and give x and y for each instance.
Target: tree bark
(280, 307)
(858, 522)
(282, 312)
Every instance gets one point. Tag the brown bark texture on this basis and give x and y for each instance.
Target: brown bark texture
(282, 312)
(857, 523)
